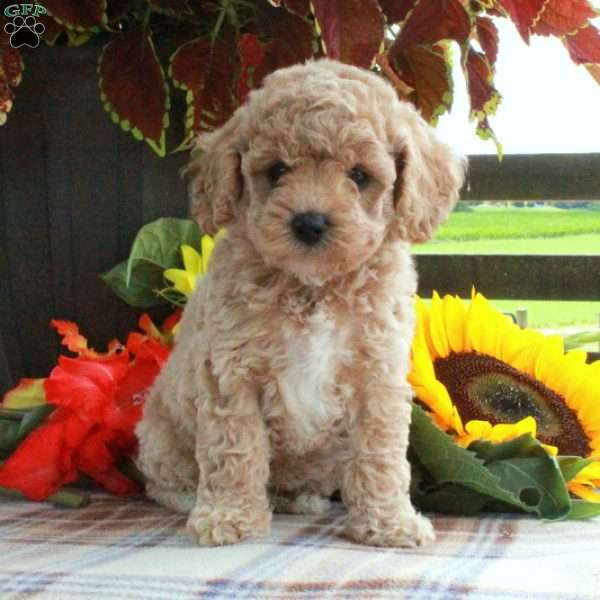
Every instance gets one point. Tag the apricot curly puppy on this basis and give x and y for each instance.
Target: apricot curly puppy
(288, 378)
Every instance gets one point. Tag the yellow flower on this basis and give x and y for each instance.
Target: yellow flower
(484, 378)
(195, 265)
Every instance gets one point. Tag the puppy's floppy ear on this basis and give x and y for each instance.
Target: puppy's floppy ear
(215, 179)
(429, 176)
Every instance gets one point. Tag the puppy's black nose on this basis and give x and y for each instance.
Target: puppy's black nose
(310, 227)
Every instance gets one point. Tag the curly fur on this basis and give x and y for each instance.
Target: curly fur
(288, 377)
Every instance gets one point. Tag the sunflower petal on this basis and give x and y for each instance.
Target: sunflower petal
(550, 354)
(478, 326)
(454, 317)
(437, 329)
(585, 492)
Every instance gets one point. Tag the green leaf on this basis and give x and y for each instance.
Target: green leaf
(528, 472)
(140, 292)
(9, 431)
(518, 473)
(27, 394)
(448, 498)
(33, 418)
(447, 462)
(15, 427)
(522, 445)
(156, 247)
(580, 509)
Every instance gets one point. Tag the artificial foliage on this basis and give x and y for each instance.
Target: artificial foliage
(213, 52)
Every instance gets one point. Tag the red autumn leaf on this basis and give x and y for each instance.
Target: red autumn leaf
(298, 7)
(352, 30)
(487, 34)
(117, 9)
(11, 66)
(43, 462)
(560, 17)
(428, 72)
(432, 21)
(584, 46)
(11, 72)
(594, 71)
(290, 43)
(81, 15)
(402, 88)
(395, 11)
(133, 88)
(290, 39)
(52, 29)
(483, 95)
(252, 55)
(204, 70)
(523, 13)
(171, 7)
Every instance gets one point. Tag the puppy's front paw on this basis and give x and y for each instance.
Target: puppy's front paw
(221, 525)
(406, 532)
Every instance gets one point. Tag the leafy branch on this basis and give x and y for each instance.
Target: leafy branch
(224, 48)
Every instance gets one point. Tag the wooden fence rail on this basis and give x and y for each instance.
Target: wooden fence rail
(565, 177)
(534, 177)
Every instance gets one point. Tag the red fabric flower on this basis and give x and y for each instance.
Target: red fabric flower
(99, 400)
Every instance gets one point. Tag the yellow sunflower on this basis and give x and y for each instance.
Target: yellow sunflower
(195, 265)
(484, 378)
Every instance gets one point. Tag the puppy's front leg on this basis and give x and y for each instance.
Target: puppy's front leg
(375, 486)
(232, 451)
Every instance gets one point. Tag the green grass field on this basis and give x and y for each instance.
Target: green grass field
(540, 230)
(495, 222)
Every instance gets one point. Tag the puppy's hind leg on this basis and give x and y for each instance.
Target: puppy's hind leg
(166, 458)
(305, 503)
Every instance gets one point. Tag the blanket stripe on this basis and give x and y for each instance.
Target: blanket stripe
(133, 549)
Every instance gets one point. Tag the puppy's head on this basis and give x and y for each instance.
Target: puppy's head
(320, 168)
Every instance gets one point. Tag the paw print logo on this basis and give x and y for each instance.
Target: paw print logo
(24, 31)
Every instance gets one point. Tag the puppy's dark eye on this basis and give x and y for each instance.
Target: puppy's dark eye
(359, 177)
(276, 171)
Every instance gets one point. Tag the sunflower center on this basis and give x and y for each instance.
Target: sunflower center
(485, 388)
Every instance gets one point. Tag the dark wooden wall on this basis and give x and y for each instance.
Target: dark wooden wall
(74, 190)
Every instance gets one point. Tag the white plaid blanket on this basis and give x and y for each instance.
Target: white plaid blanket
(130, 548)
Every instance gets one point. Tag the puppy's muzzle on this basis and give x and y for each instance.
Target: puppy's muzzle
(310, 228)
